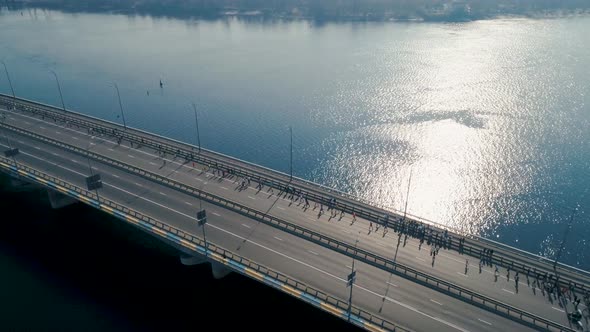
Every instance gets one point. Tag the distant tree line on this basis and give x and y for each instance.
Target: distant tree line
(328, 9)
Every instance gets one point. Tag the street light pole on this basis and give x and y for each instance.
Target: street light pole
(407, 195)
(565, 234)
(351, 278)
(12, 150)
(59, 88)
(197, 125)
(9, 82)
(93, 183)
(120, 106)
(201, 221)
(291, 154)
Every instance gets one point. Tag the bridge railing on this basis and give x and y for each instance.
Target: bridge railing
(516, 259)
(195, 243)
(365, 256)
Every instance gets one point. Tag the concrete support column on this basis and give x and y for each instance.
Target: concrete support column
(189, 260)
(59, 200)
(219, 270)
(19, 185)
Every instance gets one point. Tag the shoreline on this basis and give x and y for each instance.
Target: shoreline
(260, 15)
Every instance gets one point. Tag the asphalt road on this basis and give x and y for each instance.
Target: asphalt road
(310, 263)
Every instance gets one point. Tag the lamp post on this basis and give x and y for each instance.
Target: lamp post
(59, 88)
(291, 155)
(12, 151)
(350, 281)
(565, 234)
(120, 105)
(197, 126)
(408, 194)
(9, 82)
(93, 182)
(201, 221)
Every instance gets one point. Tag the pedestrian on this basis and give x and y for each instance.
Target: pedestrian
(354, 216)
(466, 265)
(480, 264)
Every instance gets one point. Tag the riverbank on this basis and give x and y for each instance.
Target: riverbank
(323, 11)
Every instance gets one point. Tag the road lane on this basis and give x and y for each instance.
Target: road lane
(448, 270)
(163, 215)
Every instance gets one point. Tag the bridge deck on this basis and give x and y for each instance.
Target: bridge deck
(412, 305)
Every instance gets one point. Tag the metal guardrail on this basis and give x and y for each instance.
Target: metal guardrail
(318, 238)
(576, 278)
(91, 198)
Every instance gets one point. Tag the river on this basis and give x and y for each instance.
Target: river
(489, 119)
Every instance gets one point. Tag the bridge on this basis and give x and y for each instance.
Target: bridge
(367, 264)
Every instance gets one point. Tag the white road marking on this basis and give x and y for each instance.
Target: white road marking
(483, 321)
(115, 175)
(389, 283)
(280, 208)
(245, 225)
(92, 143)
(557, 309)
(27, 122)
(251, 197)
(38, 148)
(161, 193)
(462, 274)
(347, 232)
(420, 258)
(198, 179)
(42, 127)
(431, 300)
(74, 161)
(58, 132)
(188, 203)
(224, 188)
(215, 213)
(74, 137)
(348, 266)
(278, 238)
(508, 291)
(55, 154)
(282, 254)
(137, 184)
(21, 142)
(130, 156)
(111, 149)
(152, 163)
(313, 252)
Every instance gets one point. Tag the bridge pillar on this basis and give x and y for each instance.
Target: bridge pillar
(20, 185)
(59, 200)
(219, 270)
(189, 260)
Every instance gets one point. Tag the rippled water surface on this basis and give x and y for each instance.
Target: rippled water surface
(490, 118)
